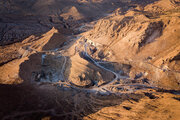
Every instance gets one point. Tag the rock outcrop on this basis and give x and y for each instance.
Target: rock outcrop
(89, 59)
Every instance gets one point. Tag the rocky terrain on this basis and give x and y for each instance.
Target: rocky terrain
(90, 59)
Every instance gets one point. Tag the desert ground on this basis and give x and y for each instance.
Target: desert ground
(90, 60)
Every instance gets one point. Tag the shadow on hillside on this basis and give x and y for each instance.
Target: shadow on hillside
(29, 101)
(33, 20)
(19, 102)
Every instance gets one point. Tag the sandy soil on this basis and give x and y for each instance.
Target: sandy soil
(90, 59)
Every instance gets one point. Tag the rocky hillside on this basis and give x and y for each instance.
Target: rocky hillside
(147, 38)
(20, 19)
(90, 59)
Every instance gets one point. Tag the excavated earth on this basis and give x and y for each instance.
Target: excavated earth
(90, 59)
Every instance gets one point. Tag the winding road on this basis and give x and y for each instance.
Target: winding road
(103, 89)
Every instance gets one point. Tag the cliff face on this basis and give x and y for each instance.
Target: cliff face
(90, 59)
(20, 19)
(143, 37)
